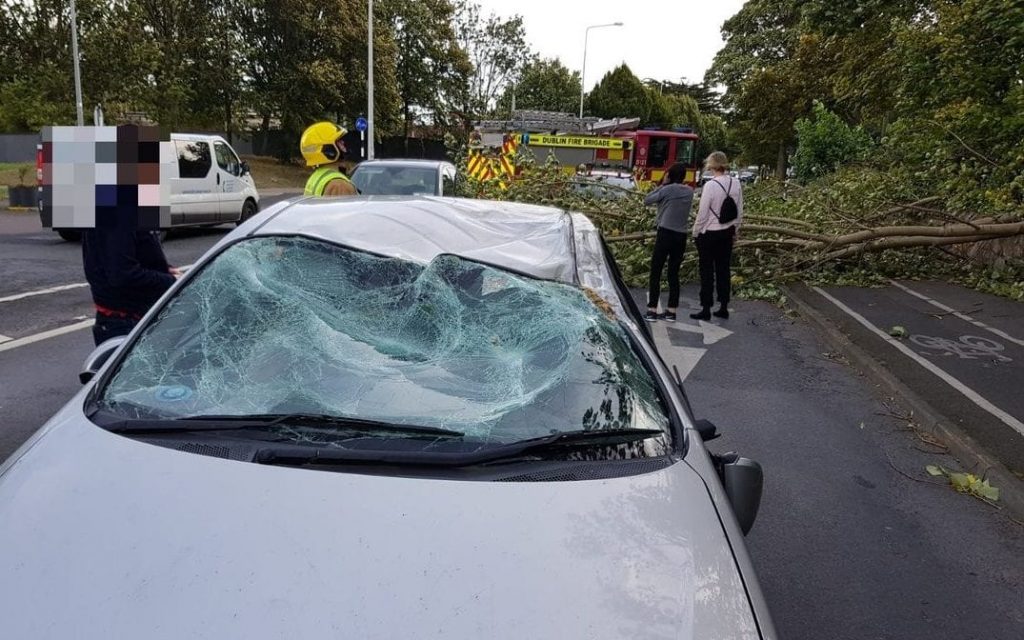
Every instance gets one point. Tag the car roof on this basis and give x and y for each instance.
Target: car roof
(542, 242)
(404, 162)
(197, 136)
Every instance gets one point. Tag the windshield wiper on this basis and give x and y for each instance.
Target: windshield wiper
(266, 420)
(534, 448)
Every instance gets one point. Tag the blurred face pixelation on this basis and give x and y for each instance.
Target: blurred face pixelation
(106, 177)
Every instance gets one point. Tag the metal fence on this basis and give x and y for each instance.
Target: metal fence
(18, 147)
(21, 147)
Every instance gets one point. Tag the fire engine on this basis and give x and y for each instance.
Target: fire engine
(618, 144)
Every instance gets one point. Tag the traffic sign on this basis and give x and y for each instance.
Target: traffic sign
(360, 124)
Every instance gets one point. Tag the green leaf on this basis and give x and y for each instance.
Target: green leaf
(898, 331)
(987, 491)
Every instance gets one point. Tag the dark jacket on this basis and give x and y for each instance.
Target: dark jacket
(126, 268)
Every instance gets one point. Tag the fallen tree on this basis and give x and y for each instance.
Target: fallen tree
(840, 232)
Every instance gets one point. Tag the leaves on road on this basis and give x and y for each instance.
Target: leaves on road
(966, 483)
(898, 331)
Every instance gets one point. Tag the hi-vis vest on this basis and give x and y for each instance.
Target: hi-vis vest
(318, 180)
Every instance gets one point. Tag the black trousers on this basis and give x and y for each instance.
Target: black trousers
(668, 246)
(714, 254)
(108, 327)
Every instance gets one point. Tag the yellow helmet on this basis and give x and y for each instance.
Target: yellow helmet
(318, 143)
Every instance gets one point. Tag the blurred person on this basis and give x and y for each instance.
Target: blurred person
(323, 149)
(674, 200)
(716, 228)
(127, 272)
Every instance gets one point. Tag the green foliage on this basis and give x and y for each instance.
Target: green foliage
(619, 94)
(544, 84)
(497, 51)
(824, 142)
(432, 70)
(966, 483)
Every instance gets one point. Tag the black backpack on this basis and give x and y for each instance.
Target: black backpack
(729, 211)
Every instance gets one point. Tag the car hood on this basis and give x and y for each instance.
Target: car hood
(106, 537)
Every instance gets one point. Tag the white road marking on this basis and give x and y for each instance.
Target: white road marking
(40, 292)
(711, 332)
(52, 333)
(4, 338)
(954, 312)
(684, 358)
(63, 287)
(969, 393)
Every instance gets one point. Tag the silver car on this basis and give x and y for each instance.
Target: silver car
(394, 177)
(383, 419)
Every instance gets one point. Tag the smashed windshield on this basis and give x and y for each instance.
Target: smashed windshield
(281, 325)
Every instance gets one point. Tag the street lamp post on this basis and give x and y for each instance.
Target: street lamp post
(583, 73)
(74, 54)
(369, 84)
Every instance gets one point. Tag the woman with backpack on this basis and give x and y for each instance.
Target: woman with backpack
(714, 231)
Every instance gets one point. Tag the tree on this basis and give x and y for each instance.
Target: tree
(619, 94)
(432, 69)
(497, 51)
(544, 84)
(825, 142)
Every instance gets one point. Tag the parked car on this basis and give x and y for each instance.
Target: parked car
(704, 177)
(383, 418)
(607, 185)
(404, 177)
(213, 185)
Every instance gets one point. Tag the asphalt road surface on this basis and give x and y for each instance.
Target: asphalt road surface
(853, 541)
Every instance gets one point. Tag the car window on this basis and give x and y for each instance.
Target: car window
(384, 180)
(295, 325)
(193, 158)
(226, 158)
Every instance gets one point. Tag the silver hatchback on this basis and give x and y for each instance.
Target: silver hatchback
(382, 418)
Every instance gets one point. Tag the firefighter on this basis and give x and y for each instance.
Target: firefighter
(323, 150)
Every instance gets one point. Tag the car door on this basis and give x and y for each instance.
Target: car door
(230, 187)
(194, 198)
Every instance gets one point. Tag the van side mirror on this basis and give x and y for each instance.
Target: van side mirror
(244, 168)
(99, 356)
(743, 480)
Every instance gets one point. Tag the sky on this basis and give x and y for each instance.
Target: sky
(660, 39)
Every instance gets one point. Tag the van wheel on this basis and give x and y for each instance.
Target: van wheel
(248, 211)
(69, 235)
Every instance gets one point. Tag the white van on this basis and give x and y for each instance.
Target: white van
(213, 186)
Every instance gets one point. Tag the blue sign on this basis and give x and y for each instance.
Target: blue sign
(360, 124)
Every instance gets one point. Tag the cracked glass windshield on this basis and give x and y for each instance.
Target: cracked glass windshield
(284, 325)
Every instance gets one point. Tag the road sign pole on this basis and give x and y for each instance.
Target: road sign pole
(74, 54)
(369, 83)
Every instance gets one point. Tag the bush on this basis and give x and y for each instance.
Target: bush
(825, 142)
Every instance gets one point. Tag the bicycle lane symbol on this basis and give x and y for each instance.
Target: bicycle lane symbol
(967, 348)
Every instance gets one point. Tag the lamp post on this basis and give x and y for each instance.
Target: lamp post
(583, 73)
(369, 83)
(74, 54)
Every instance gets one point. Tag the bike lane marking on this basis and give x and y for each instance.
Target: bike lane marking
(957, 314)
(952, 381)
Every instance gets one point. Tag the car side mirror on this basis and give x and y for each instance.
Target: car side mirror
(243, 168)
(99, 356)
(706, 429)
(743, 480)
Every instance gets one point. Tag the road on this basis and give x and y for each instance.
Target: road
(854, 541)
